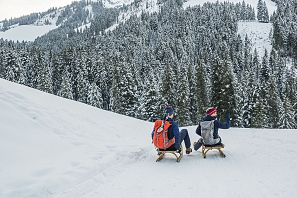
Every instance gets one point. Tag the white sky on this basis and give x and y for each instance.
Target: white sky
(17, 8)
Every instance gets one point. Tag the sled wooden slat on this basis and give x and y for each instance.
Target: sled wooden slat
(162, 153)
(206, 148)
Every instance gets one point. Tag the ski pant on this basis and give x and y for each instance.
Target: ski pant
(184, 136)
(199, 143)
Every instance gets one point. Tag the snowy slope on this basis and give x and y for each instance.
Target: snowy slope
(259, 34)
(40, 28)
(148, 6)
(30, 32)
(26, 32)
(54, 147)
(115, 3)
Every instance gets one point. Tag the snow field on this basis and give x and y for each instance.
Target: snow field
(260, 35)
(58, 148)
(26, 32)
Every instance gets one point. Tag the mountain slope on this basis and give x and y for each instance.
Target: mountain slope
(271, 6)
(53, 147)
(71, 17)
(79, 15)
(49, 144)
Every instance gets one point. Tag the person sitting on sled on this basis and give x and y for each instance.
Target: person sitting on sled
(209, 127)
(174, 137)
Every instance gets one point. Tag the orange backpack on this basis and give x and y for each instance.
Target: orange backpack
(160, 138)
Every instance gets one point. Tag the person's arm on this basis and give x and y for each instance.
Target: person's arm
(198, 130)
(224, 125)
(176, 136)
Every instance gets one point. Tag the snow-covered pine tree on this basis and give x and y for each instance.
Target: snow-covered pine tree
(123, 97)
(223, 95)
(115, 98)
(258, 119)
(201, 93)
(44, 74)
(262, 14)
(66, 89)
(150, 106)
(183, 100)
(287, 120)
(12, 66)
(94, 97)
(82, 83)
(167, 87)
(23, 60)
(274, 104)
(192, 94)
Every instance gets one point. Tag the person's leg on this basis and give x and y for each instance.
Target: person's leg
(184, 136)
(198, 144)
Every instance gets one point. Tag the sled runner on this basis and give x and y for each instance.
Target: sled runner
(162, 152)
(206, 148)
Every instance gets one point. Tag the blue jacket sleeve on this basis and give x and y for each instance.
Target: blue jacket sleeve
(224, 125)
(153, 134)
(176, 136)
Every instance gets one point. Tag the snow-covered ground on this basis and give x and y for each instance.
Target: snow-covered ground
(26, 32)
(260, 35)
(271, 6)
(31, 32)
(115, 3)
(57, 148)
(149, 6)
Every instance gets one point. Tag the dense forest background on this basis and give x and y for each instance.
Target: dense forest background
(189, 58)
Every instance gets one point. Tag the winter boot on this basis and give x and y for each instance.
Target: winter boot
(188, 150)
(197, 145)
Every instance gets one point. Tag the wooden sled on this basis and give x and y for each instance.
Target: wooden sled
(206, 148)
(162, 153)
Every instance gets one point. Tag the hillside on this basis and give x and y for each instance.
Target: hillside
(270, 4)
(54, 147)
(79, 15)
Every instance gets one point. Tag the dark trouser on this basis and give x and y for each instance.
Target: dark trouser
(184, 136)
(200, 143)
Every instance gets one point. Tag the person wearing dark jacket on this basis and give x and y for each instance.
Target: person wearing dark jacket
(173, 131)
(211, 123)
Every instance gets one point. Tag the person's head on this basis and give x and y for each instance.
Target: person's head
(169, 111)
(212, 111)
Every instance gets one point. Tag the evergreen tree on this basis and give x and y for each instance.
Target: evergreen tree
(183, 99)
(115, 103)
(94, 96)
(201, 93)
(223, 95)
(66, 89)
(287, 116)
(150, 107)
(192, 94)
(259, 118)
(273, 102)
(262, 13)
(12, 67)
(167, 87)
(44, 75)
(123, 96)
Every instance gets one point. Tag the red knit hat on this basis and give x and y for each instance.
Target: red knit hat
(211, 110)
